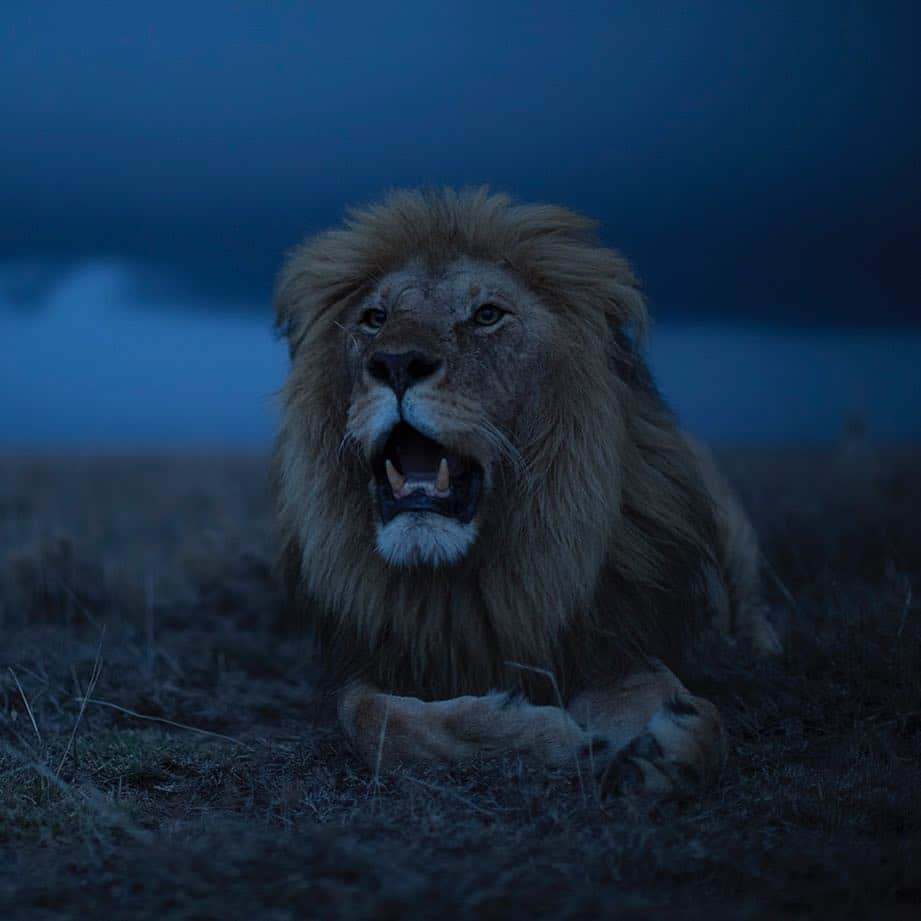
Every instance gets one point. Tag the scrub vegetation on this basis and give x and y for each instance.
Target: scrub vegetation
(165, 751)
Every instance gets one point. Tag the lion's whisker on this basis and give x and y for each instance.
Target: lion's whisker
(349, 440)
(507, 450)
(349, 333)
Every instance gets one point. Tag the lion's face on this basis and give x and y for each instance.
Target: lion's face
(502, 340)
(443, 370)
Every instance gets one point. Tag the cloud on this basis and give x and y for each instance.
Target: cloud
(754, 160)
(92, 368)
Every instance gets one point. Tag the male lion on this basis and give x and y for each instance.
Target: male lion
(505, 541)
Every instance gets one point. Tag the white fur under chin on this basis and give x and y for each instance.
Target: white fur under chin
(424, 538)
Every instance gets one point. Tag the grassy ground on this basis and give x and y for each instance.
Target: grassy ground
(204, 781)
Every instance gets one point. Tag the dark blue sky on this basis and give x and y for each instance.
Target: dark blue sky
(758, 161)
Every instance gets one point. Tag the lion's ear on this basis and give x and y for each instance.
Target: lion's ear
(620, 289)
(292, 298)
(629, 309)
(287, 328)
(627, 358)
(318, 275)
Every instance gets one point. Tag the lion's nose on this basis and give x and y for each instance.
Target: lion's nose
(402, 369)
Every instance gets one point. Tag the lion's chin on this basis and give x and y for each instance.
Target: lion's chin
(424, 539)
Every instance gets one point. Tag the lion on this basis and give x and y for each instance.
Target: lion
(505, 541)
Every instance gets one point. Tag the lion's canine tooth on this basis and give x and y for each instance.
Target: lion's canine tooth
(443, 481)
(396, 478)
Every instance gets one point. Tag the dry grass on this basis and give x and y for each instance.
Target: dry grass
(162, 755)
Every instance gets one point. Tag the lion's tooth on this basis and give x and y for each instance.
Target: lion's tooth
(396, 478)
(443, 481)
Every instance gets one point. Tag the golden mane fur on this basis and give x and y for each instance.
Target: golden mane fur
(605, 552)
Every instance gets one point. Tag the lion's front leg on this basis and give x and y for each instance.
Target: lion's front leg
(662, 739)
(386, 729)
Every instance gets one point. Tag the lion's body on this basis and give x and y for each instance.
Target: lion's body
(604, 540)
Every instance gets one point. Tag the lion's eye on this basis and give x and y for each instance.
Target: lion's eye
(373, 319)
(488, 315)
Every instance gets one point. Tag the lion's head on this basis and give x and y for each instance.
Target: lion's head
(464, 412)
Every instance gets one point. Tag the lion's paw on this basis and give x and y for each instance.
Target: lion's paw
(678, 752)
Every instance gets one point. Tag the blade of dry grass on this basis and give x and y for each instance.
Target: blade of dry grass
(164, 721)
(559, 702)
(452, 794)
(94, 679)
(25, 700)
(376, 779)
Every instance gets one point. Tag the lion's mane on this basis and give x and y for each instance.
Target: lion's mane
(606, 556)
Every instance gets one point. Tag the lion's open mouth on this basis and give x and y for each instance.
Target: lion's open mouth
(415, 473)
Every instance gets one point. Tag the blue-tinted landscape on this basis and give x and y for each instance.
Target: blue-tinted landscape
(168, 748)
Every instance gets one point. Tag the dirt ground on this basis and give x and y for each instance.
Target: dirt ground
(162, 753)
